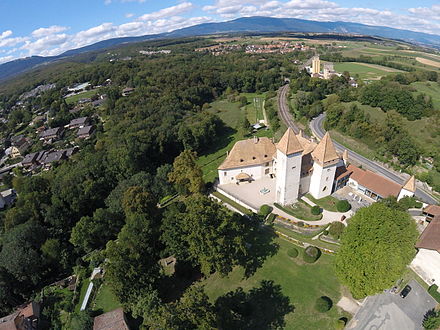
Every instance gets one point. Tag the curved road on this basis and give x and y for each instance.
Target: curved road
(318, 131)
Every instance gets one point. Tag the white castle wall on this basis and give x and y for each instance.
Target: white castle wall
(288, 177)
(256, 172)
(321, 183)
(404, 193)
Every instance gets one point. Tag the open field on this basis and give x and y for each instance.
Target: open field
(364, 70)
(84, 95)
(105, 300)
(302, 283)
(428, 62)
(429, 88)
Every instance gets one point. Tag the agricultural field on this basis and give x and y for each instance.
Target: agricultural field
(84, 95)
(364, 70)
(429, 88)
(303, 283)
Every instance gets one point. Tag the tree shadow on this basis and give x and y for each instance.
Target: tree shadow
(260, 243)
(262, 307)
(225, 136)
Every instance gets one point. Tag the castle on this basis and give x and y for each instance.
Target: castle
(299, 166)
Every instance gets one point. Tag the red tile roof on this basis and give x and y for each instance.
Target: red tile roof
(433, 210)
(113, 320)
(430, 238)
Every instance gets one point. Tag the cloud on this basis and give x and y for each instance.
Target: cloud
(129, 15)
(42, 32)
(168, 12)
(5, 34)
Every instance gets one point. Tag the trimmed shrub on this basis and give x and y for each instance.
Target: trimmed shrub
(323, 304)
(432, 290)
(336, 228)
(316, 210)
(311, 254)
(271, 217)
(343, 206)
(325, 232)
(300, 224)
(340, 323)
(292, 252)
(265, 210)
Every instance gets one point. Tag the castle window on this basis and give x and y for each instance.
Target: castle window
(225, 173)
(293, 167)
(253, 158)
(265, 156)
(266, 171)
(326, 179)
(325, 188)
(241, 160)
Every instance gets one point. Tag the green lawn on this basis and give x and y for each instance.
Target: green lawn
(365, 71)
(82, 293)
(429, 88)
(75, 98)
(300, 210)
(254, 108)
(302, 283)
(307, 238)
(327, 203)
(105, 299)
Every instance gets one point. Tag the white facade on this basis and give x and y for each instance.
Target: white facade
(404, 193)
(427, 265)
(288, 171)
(255, 172)
(321, 183)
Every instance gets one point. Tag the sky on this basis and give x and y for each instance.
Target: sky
(50, 27)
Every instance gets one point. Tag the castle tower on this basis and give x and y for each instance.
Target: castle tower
(408, 189)
(316, 64)
(345, 157)
(325, 160)
(288, 168)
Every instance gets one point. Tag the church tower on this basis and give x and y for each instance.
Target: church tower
(316, 64)
(325, 163)
(288, 168)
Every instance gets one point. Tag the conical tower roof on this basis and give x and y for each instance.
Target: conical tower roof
(289, 143)
(325, 151)
(410, 185)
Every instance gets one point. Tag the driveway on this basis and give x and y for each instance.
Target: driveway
(388, 311)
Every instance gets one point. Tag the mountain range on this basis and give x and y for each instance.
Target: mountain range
(245, 24)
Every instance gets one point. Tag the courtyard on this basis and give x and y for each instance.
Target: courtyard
(254, 193)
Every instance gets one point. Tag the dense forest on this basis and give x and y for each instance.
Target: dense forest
(102, 203)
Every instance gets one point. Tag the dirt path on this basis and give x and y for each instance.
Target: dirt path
(428, 62)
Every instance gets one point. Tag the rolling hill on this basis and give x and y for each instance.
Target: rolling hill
(245, 24)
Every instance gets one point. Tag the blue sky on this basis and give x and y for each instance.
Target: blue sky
(50, 27)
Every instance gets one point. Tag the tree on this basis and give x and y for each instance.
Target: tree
(323, 304)
(375, 249)
(209, 234)
(187, 174)
(336, 228)
(431, 321)
(192, 311)
(311, 254)
(343, 206)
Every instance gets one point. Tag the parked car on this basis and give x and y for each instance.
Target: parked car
(406, 290)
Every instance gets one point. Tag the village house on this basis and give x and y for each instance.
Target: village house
(427, 261)
(85, 132)
(19, 145)
(114, 320)
(430, 212)
(78, 122)
(7, 198)
(24, 318)
(127, 91)
(51, 134)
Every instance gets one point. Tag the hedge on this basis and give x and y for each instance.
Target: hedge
(265, 210)
(343, 206)
(311, 254)
(432, 290)
(271, 217)
(292, 252)
(316, 210)
(323, 304)
(336, 228)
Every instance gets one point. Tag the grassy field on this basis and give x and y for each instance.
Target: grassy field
(75, 98)
(84, 285)
(327, 203)
(429, 88)
(231, 114)
(364, 70)
(254, 108)
(302, 283)
(301, 210)
(105, 300)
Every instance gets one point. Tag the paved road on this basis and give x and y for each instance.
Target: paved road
(388, 311)
(318, 131)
